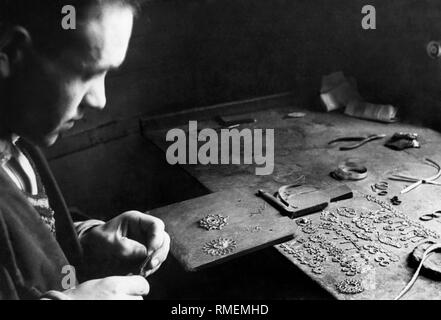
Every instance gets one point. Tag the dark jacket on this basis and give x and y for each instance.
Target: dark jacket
(31, 259)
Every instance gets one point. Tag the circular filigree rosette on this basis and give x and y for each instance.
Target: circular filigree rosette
(220, 247)
(213, 222)
(350, 286)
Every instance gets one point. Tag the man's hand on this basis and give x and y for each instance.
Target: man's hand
(112, 288)
(121, 245)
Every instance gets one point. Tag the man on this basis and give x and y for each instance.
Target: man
(49, 77)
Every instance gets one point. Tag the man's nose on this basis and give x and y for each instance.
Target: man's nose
(96, 96)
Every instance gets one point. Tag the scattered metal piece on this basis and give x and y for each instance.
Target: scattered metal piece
(296, 115)
(309, 230)
(302, 222)
(213, 222)
(254, 229)
(431, 216)
(346, 212)
(220, 247)
(395, 201)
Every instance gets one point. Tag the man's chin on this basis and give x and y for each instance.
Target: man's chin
(50, 141)
(45, 141)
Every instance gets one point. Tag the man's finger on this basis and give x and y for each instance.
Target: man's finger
(131, 285)
(146, 229)
(129, 297)
(160, 255)
(132, 250)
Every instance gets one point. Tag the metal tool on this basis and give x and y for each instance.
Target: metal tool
(283, 193)
(431, 216)
(362, 140)
(416, 182)
(143, 269)
(311, 202)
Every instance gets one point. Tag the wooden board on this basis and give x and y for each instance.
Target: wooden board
(252, 224)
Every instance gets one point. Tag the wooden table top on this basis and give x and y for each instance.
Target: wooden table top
(301, 148)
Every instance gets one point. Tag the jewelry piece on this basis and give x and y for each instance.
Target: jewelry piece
(329, 216)
(318, 270)
(389, 228)
(213, 222)
(395, 201)
(309, 229)
(350, 286)
(254, 229)
(219, 247)
(302, 222)
(346, 212)
(372, 249)
(385, 239)
(401, 216)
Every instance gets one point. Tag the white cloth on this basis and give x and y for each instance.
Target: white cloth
(9, 150)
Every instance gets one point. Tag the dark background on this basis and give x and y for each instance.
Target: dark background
(194, 53)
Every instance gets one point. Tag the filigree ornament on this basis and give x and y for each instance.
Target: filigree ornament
(213, 222)
(350, 286)
(219, 247)
(346, 212)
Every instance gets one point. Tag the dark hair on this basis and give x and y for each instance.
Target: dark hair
(42, 18)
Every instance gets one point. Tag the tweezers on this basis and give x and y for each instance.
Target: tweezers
(363, 140)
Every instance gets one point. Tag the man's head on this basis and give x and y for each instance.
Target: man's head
(49, 76)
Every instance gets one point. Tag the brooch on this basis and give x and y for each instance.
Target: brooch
(219, 247)
(213, 222)
(350, 286)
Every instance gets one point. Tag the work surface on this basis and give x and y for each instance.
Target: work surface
(365, 240)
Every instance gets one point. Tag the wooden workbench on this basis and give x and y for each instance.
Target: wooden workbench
(301, 149)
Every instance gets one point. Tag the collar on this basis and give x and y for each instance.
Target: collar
(6, 148)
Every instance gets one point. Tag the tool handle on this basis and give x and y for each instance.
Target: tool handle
(303, 212)
(273, 201)
(412, 186)
(368, 139)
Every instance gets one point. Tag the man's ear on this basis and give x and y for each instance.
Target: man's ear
(14, 43)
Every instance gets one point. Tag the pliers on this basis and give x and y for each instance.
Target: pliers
(419, 181)
(363, 140)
